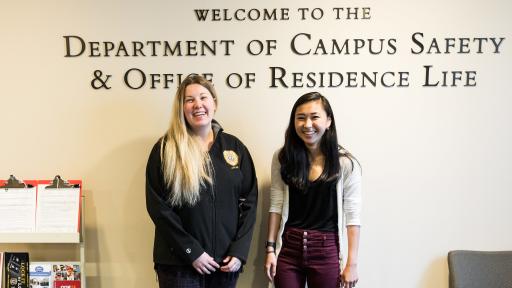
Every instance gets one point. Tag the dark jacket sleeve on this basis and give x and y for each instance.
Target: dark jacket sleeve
(247, 207)
(167, 222)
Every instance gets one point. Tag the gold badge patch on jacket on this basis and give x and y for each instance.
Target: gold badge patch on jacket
(231, 158)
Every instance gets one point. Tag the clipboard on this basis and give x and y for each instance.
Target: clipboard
(58, 182)
(17, 205)
(12, 182)
(58, 205)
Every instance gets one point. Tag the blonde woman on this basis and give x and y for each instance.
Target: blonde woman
(201, 193)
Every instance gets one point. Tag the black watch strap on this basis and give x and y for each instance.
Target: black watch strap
(270, 244)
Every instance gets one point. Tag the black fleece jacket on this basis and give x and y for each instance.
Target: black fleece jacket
(221, 222)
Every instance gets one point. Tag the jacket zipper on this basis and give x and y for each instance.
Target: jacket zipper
(214, 219)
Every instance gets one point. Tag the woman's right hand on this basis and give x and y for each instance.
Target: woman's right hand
(270, 266)
(205, 264)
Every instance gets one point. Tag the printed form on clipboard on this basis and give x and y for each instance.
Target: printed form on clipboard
(58, 206)
(17, 206)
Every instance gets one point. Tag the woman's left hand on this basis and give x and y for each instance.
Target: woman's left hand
(230, 264)
(349, 276)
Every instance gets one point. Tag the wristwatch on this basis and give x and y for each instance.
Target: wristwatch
(270, 244)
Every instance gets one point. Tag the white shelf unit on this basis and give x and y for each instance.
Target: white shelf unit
(53, 238)
(40, 237)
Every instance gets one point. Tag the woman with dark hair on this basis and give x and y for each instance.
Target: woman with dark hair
(315, 191)
(201, 193)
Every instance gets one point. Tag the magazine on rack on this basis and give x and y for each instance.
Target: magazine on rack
(1, 269)
(40, 275)
(66, 275)
(15, 269)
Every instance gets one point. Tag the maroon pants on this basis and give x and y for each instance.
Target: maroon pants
(308, 256)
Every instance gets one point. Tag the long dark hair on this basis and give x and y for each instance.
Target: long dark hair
(294, 158)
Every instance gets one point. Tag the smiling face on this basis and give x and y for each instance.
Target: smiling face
(311, 121)
(198, 108)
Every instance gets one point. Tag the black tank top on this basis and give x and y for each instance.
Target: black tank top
(315, 208)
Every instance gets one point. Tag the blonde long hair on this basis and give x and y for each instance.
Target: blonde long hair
(186, 166)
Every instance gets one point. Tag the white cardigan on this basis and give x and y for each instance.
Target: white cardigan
(348, 191)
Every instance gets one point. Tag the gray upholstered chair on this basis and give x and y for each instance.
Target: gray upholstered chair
(477, 269)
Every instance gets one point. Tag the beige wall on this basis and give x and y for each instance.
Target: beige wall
(436, 160)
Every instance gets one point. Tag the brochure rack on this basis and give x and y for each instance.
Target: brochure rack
(57, 237)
